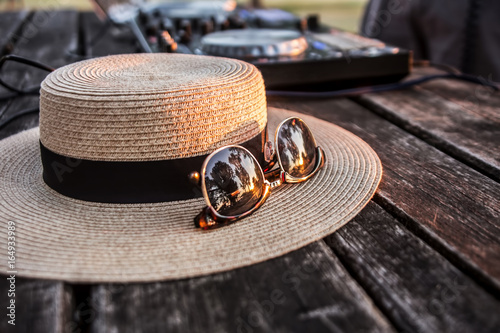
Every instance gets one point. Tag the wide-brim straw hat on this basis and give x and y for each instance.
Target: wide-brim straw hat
(149, 108)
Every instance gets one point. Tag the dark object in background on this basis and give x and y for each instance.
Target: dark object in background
(461, 33)
(292, 53)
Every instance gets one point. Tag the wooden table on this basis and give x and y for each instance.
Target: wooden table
(423, 256)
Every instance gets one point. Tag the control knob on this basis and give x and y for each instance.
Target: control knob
(254, 43)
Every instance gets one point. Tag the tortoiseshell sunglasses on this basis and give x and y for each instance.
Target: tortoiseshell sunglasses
(234, 184)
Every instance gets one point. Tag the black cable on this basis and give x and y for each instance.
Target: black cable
(379, 88)
(441, 66)
(22, 60)
(19, 92)
(25, 61)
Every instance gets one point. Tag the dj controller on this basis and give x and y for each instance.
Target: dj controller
(292, 53)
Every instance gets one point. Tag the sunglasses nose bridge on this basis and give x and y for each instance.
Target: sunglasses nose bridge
(277, 182)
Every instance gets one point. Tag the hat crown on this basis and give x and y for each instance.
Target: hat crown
(145, 107)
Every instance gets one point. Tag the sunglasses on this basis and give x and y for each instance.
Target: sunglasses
(234, 184)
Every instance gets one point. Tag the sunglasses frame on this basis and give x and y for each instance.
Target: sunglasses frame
(209, 218)
(217, 218)
(286, 177)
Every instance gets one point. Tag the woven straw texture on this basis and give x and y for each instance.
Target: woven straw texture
(61, 238)
(155, 107)
(141, 107)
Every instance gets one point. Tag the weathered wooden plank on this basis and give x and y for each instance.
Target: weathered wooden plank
(40, 306)
(10, 24)
(454, 208)
(415, 287)
(214, 292)
(462, 119)
(99, 42)
(305, 291)
(475, 98)
(46, 37)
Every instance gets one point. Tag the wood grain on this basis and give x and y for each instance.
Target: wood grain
(305, 291)
(240, 300)
(41, 306)
(476, 98)
(449, 205)
(419, 290)
(462, 125)
(382, 275)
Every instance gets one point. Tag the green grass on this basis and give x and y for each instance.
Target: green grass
(344, 14)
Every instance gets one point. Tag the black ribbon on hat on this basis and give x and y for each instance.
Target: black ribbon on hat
(130, 182)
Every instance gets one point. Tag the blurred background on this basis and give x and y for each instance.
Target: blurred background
(344, 14)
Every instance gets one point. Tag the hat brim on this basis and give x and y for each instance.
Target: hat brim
(66, 239)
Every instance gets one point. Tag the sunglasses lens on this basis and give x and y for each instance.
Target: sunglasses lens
(234, 181)
(296, 148)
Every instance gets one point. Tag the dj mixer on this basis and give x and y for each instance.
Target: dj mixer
(292, 53)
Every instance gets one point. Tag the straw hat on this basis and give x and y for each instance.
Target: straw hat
(154, 111)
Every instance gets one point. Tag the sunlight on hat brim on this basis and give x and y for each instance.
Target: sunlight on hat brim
(66, 239)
